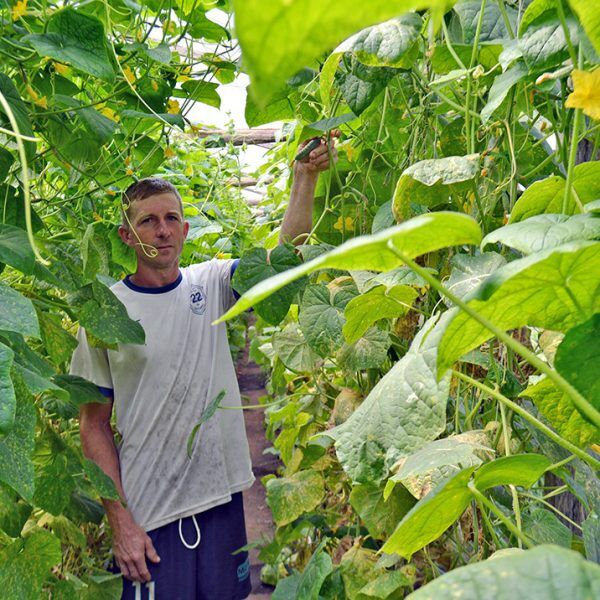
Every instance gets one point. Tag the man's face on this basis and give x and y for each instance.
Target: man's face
(159, 225)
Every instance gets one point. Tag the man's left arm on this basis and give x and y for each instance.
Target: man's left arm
(297, 221)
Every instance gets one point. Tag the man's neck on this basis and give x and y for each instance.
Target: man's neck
(148, 277)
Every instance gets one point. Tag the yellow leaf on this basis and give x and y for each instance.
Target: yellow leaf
(129, 75)
(189, 171)
(586, 92)
(43, 102)
(19, 9)
(169, 152)
(173, 107)
(183, 78)
(62, 69)
(154, 85)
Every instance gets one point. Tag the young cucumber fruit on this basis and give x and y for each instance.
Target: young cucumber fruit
(312, 145)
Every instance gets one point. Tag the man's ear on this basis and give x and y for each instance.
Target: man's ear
(186, 228)
(126, 235)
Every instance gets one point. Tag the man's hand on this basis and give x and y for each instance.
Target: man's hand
(320, 159)
(131, 545)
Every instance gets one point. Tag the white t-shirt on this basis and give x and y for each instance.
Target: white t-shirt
(161, 389)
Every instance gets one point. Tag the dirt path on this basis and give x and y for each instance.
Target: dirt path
(258, 515)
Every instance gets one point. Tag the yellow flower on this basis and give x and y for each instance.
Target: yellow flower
(62, 69)
(348, 223)
(169, 152)
(189, 171)
(109, 113)
(586, 92)
(129, 75)
(129, 172)
(36, 97)
(173, 107)
(350, 152)
(19, 9)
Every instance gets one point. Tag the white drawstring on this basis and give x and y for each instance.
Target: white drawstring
(196, 544)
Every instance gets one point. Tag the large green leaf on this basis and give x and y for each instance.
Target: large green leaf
(105, 317)
(387, 44)
(371, 252)
(546, 196)
(544, 44)
(8, 401)
(555, 289)
(378, 303)
(53, 486)
(368, 352)
(26, 562)
(78, 39)
(425, 469)
(321, 317)
(520, 469)
(469, 271)
(80, 392)
(95, 252)
(59, 343)
(293, 351)
(545, 231)
(430, 182)
(290, 497)
(380, 514)
(102, 483)
(19, 110)
(560, 411)
(15, 249)
(279, 37)
(502, 85)
(543, 527)
(13, 512)
(202, 91)
(430, 517)
(17, 312)
(493, 26)
(360, 84)
(258, 265)
(318, 568)
(538, 574)
(577, 359)
(590, 19)
(16, 446)
(403, 412)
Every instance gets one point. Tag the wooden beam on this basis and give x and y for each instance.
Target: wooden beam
(239, 136)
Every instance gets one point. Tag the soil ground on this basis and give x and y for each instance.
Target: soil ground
(258, 516)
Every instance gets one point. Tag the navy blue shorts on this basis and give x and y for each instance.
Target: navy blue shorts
(208, 572)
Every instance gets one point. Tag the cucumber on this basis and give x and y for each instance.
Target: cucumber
(312, 145)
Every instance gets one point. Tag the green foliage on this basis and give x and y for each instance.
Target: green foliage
(452, 109)
(508, 574)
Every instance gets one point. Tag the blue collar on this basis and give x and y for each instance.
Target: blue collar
(153, 290)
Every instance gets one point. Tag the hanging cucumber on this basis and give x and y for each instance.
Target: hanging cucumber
(313, 144)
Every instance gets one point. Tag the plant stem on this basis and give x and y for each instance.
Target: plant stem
(513, 489)
(578, 400)
(528, 417)
(494, 509)
(572, 157)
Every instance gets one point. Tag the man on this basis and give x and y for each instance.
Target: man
(183, 518)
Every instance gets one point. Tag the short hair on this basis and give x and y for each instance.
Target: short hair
(142, 189)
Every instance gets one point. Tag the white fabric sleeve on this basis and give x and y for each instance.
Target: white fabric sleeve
(91, 363)
(225, 290)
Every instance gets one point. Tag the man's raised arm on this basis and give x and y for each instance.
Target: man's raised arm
(297, 221)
